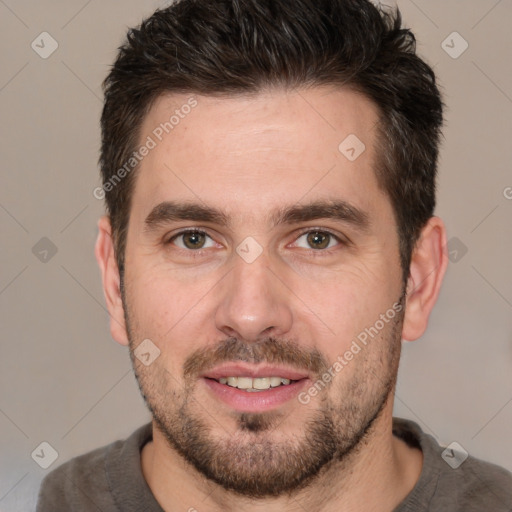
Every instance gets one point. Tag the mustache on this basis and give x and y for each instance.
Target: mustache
(269, 350)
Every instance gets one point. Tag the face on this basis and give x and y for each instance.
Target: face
(260, 253)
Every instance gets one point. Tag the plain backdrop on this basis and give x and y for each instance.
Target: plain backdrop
(64, 381)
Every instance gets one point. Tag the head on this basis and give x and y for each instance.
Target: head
(243, 108)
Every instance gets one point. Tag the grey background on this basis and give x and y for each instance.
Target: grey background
(62, 378)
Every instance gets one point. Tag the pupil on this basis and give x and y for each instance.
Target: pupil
(318, 240)
(194, 240)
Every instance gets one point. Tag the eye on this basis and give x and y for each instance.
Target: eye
(317, 240)
(192, 239)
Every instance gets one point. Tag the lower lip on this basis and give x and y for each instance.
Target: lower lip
(257, 401)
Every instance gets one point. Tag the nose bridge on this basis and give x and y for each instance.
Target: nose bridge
(254, 304)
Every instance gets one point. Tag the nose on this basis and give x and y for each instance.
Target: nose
(254, 303)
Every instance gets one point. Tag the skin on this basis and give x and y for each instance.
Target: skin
(248, 156)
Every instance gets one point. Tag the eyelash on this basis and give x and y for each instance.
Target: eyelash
(316, 252)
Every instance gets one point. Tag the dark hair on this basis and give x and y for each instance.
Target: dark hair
(233, 47)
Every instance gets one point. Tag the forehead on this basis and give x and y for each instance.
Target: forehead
(250, 153)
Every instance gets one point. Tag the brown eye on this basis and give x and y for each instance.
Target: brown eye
(192, 240)
(318, 239)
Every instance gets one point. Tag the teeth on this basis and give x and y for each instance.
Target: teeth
(260, 383)
(257, 384)
(275, 381)
(244, 383)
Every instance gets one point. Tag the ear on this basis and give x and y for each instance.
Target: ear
(428, 266)
(104, 252)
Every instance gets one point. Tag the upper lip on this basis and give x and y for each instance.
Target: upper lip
(246, 370)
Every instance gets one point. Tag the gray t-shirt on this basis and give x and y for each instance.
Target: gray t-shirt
(110, 479)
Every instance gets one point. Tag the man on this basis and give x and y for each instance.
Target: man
(269, 173)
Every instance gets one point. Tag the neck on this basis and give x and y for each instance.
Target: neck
(376, 476)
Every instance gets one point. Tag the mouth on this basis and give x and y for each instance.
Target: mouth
(254, 389)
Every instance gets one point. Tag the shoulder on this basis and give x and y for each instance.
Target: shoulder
(452, 480)
(476, 485)
(77, 484)
(83, 483)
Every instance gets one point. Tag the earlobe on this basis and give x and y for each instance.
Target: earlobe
(428, 266)
(105, 256)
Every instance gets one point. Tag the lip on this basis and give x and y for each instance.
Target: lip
(247, 370)
(259, 401)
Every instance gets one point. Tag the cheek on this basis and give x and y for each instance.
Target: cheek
(168, 313)
(349, 291)
(337, 306)
(164, 295)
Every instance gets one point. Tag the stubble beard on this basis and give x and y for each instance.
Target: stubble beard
(256, 458)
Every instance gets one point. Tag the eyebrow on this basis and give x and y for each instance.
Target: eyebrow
(339, 210)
